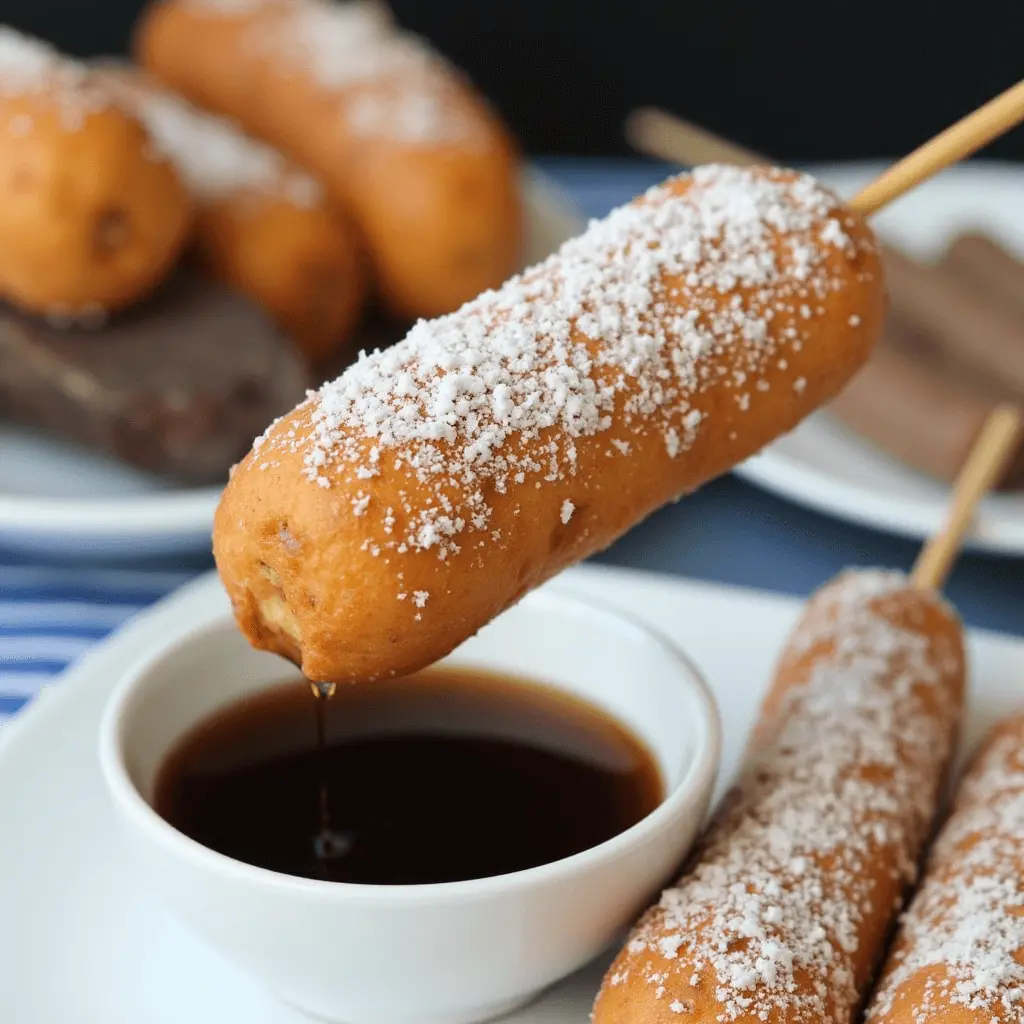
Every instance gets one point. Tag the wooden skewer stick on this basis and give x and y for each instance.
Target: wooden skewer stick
(985, 464)
(960, 140)
(670, 138)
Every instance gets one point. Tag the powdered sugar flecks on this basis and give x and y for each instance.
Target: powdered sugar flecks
(228, 8)
(404, 90)
(30, 66)
(966, 920)
(832, 808)
(496, 395)
(213, 156)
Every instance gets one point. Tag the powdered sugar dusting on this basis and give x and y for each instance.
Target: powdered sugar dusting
(963, 936)
(826, 823)
(214, 158)
(30, 66)
(227, 8)
(27, 64)
(615, 334)
(403, 90)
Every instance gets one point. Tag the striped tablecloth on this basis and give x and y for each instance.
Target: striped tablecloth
(49, 616)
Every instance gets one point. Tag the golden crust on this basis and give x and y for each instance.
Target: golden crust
(92, 217)
(786, 905)
(302, 264)
(400, 141)
(959, 955)
(350, 535)
(263, 226)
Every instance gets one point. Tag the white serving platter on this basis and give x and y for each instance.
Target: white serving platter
(82, 942)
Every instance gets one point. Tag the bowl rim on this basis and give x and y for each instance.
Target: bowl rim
(695, 785)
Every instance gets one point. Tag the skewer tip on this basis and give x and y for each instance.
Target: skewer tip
(985, 465)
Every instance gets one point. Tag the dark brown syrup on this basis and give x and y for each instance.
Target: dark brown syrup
(438, 777)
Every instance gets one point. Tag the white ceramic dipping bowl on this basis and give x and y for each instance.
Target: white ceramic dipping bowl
(448, 953)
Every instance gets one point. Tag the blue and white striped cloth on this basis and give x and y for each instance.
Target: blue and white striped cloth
(51, 616)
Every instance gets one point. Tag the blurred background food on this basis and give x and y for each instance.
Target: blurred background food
(263, 225)
(92, 216)
(398, 138)
(328, 178)
(346, 169)
(178, 385)
(953, 350)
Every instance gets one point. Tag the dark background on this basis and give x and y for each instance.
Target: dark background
(800, 80)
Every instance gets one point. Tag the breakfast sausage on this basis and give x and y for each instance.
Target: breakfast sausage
(263, 227)
(92, 215)
(411, 500)
(395, 134)
(785, 907)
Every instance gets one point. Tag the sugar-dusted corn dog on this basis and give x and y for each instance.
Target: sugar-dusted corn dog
(407, 503)
(785, 907)
(92, 215)
(959, 954)
(394, 133)
(263, 226)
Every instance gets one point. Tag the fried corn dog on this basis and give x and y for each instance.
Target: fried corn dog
(396, 135)
(92, 214)
(425, 490)
(959, 954)
(263, 227)
(783, 912)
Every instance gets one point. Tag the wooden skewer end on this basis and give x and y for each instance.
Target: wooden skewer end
(986, 463)
(958, 141)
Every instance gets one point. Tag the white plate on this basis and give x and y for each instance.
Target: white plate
(823, 465)
(82, 943)
(56, 499)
